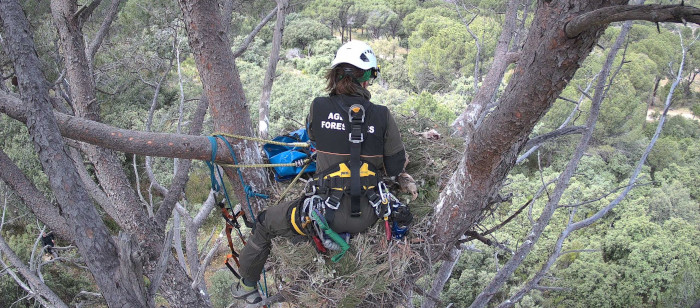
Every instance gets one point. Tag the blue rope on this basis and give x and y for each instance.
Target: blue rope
(249, 192)
(214, 182)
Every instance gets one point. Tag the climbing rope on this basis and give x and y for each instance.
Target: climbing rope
(232, 217)
(306, 161)
(292, 144)
(249, 192)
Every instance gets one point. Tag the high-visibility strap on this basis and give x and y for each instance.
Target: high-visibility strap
(294, 222)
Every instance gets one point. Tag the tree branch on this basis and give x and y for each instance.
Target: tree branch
(570, 130)
(84, 12)
(482, 237)
(48, 213)
(104, 28)
(227, 15)
(264, 109)
(160, 268)
(562, 183)
(466, 123)
(651, 12)
(128, 141)
(241, 49)
(36, 284)
(442, 276)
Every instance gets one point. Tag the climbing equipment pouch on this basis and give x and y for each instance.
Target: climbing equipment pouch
(282, 154)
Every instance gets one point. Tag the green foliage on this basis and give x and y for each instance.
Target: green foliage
(292, 94)
(219, 287)
(646, 250)
(472, 273)
(427, 106)
(431, 8)
(301, 32)
(696, 109)
(642, 264)
(665, 152)
(437, 53)
(678, 127)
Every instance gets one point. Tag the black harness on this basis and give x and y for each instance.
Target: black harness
(356, 114)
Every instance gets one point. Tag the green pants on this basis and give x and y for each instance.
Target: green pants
(272, 222)
(275, 221)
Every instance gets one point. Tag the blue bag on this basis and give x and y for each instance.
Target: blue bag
(279, 154)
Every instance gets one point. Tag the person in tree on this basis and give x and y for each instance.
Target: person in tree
(48, 241)
(357, 142)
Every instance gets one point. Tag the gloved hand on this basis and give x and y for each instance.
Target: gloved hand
(408, 185)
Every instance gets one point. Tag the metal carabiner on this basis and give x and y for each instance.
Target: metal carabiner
(383, 192)
(306, 189)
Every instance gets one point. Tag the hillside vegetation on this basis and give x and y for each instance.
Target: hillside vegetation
(433, 56)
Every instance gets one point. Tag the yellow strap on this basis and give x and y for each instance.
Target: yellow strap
(294, 224)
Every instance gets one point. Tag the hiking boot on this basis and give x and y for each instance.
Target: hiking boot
(244, 292)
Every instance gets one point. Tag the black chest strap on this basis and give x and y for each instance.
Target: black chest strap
(356, 115)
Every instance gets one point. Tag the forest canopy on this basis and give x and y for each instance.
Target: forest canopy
(598, 148)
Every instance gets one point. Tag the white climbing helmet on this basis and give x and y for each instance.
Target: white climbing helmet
(357, 53)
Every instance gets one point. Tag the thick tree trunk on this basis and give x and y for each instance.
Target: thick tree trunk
(91, 235)
(548, 61)
(562, 182)
(223, 89)
(124, 207)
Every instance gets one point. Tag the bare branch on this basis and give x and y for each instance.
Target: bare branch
(93, 189)
(4, 207)
(148, 205)
(128, 141)
(241, 49)
(104, 28)
(554, 134)
(33, 198)
(482, 235)
(548, 288)
(573, 112)
(84, 12)
(466, 123)
(422, 292)
(227, 15)
(160, 268)
(264, 109)
(650, 12)
(602, 196)
(37, 286)
(579, 250)
(207, 260)
(441, 277)
(203, 213)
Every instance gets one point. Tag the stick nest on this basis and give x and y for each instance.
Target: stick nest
(373, 273)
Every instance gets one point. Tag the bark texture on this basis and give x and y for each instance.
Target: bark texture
(223, 89)
(548, 61)
(91, 235)
(466, 123)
